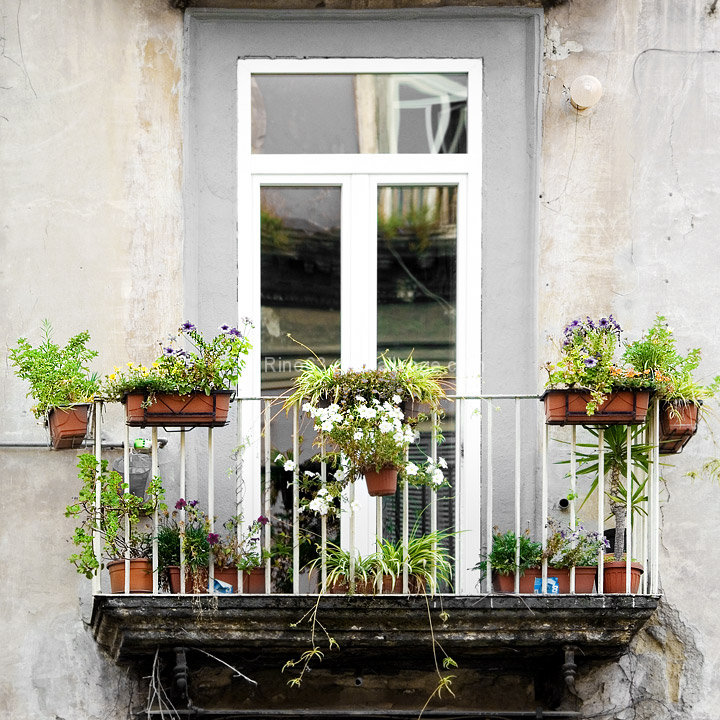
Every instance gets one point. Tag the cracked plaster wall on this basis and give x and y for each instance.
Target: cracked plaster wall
(628, 225)
(90, 150)
(91, 237)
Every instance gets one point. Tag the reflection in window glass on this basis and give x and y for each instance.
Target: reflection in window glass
(381, 113)
(416, 310)
(300, 279)
(417, 272)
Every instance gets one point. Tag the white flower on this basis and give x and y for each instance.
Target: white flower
(411, 469)
(442, 463)
(437, 476)
(367, 413)
(289, 465)
(309, 473)
(358, 435)
(307, 408)
(327, 425)
(280, 457)
(396, 399)
(386, 427)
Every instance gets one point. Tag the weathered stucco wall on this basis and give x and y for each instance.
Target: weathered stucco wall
(92, 237)
(628, 225)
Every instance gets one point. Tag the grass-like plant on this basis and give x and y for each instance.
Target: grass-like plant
(58, 376)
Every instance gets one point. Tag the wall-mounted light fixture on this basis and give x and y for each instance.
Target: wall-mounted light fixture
(585, 91)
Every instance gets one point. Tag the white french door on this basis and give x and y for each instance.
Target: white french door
(356, 253)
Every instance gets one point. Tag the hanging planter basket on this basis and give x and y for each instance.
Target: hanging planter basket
(569, 407)
(169, 410)
(678, 423)
(382, 482)
(68, 426)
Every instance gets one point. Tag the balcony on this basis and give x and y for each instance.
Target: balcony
(497, 443)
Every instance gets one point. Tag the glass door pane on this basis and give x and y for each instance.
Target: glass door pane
(416, 315)
(300, 279)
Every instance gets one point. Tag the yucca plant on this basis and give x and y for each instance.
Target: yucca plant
(615, 470)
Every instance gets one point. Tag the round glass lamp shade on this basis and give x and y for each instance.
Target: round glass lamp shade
(585, 91)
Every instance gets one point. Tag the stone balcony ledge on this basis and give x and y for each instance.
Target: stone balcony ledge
(388, 627)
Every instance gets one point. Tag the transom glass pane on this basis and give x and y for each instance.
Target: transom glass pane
(417, 113)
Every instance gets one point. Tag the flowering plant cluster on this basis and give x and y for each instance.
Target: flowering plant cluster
(574, 548)
(588, 361)
(371, 435)
(202, 366)
(229, 549)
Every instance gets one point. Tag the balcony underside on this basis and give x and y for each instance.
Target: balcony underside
(387, 628)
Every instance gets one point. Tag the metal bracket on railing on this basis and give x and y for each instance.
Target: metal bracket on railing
(569, 669)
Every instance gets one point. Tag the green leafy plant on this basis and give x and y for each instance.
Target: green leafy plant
(107, 519)
(587, 362)
(58, 376)
(502, 555)
(656, 353)
(206, 366)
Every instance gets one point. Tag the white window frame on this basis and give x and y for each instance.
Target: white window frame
(359, 176)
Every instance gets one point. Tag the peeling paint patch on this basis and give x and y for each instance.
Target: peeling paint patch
(554, 48)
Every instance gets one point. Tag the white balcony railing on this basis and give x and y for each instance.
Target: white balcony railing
(499, 442)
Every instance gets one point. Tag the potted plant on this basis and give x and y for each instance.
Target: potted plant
(502, 559)
(428, 562)
(680, 395)
(615, 470)
(579, 548)
(337, 564)
(415, 383)
(183, 387)
(230, 551)
(615, 574)
(234, 550)
(60, 382)
(107, 520)
(586, 387)
(367, 439)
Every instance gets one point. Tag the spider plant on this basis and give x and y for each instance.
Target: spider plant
(420, 380)
(427, 559)
(337, 563)
(316, 381)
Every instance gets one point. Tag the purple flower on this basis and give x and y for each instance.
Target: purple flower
(213, 538)
(234, 332)
(180, 504)
(590, 361)
(168, 351)
(224, 328)
(604, 324)
(193, 503)
(263, 520)
(590, 324)
(187, 327)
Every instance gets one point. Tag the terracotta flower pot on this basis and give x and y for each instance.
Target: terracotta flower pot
(569, 407)
(678, 423)
(585, 579)
(614, 577)
(141, 575)
(68, 426)
(506, 583)
(383, 482)
(168, 410)
(196, 583)
(253, 580)
(369, 587)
